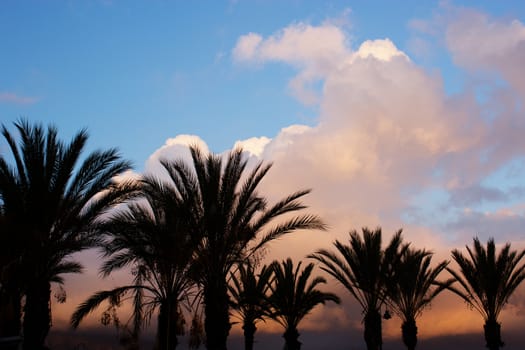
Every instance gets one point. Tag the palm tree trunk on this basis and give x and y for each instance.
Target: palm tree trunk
(373, 332)
(291, 336)
(217, 318)
(37, 315)
(409, 331)
(10, 298)
(10, 313)
(493, 334)
(249, 334)
(167, 327)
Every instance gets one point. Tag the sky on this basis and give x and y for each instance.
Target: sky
(397, 114)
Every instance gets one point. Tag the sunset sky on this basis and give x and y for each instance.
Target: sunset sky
(406, 117)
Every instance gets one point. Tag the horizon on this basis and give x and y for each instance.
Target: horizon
(405, 117)
(311, 340)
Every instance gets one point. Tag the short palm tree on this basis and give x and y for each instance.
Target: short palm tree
(152, 237)
(52, 201)
(487, 281)
(234, 222)
(249, 297)
(293, 296)
(364, 269)
(412, 288)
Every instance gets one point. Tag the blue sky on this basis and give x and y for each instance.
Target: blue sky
(400, 114)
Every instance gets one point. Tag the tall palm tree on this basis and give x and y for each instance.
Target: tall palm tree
(412, 288)
(364, 269)
(10, 286)
(151, 236)
(293, 296)
(487, 281)
(249, 298)
(234, 223)
(52, 201)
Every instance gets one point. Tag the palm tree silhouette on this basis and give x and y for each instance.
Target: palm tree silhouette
(230, 216)
(52, 202)
(249, 298)
(293, 296)
(10, 286)
(154, 238)
(487, 281)
(364, 269)
(412, 288)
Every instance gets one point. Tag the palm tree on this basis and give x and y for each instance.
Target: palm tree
(52, 202)
(249, 298)
(364, 269)
(293, 296)
(233, 221)
(487, 281)
(412, 288)
(152, 237)
(10, 293)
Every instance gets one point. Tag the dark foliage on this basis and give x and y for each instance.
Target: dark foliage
(487, 281)
(412, 288)
(364, 269)
(233, 222)
(293, 295)
(153, 236)
(51, 202)
(249, 298)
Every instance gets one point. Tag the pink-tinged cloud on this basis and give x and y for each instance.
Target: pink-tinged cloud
(301, 44)
(479, 41)
(481, 44)
(315, 49)
(9, 97)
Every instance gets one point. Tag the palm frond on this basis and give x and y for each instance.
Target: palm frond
(294, 293)
(487, 280)
(304, 222)
(413, 284)
(95, 300)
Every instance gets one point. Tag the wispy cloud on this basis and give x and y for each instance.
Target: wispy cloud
(10, 97)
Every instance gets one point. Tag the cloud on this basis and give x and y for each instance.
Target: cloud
(314, 49)
(503, 225)
(476, 39)
(246, 47)
(300, 43)
(177, 147)
(478, 193)
(9, 97)
(383, 50)
(478, 42)
(254, 146)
